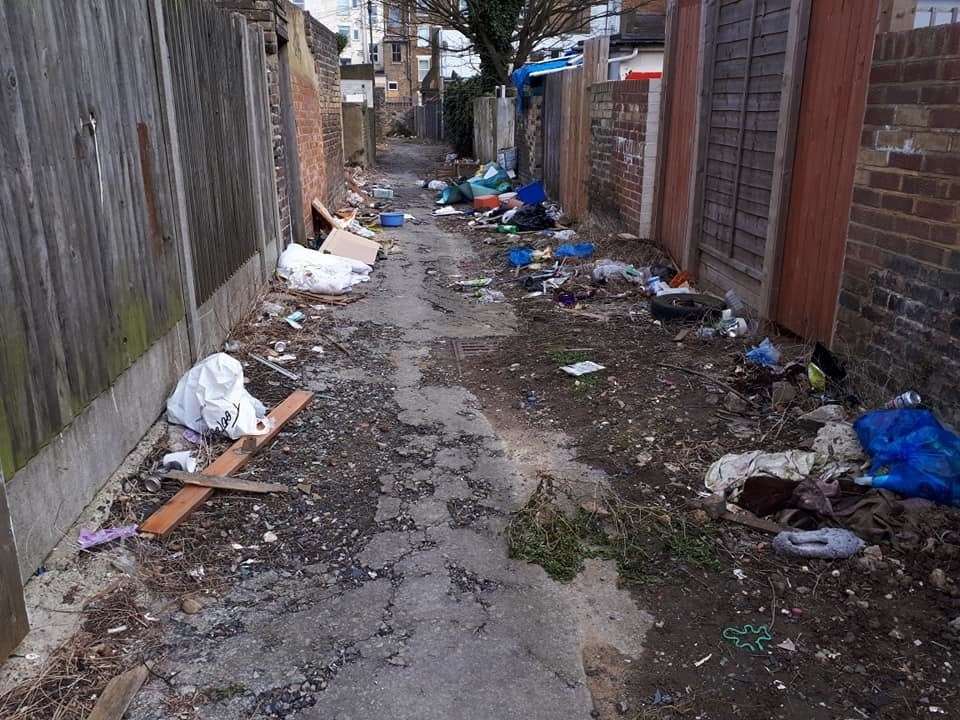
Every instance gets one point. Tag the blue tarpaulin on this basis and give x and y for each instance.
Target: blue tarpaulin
(521, 75)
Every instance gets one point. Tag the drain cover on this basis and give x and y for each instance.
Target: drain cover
(464, 348)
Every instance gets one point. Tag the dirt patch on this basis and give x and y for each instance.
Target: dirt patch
(851, 638)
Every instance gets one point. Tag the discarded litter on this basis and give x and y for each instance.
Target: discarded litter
(231, 346)
(825, 543)
(920, 456)
(353, 247)
(317, 272)
(580, 250)
(294, 320)
(582, 368)
(487, 296)
(748, 637)
(475, 282)
(280, 346)
(392, 219)
(731, 471)
(520, 256)
(276, 368)
(436, 185)
(606, 270)
(563, 236)
(908, 399)
(532, 194)
(383, 193)
(765, 354)
(88, 539)
(211, 398)
(182, 460)
(448, 210)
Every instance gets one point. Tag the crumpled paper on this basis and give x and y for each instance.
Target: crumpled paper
(91, 538)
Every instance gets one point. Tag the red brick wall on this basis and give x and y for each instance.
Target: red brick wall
(900, 294)
(623, 151)
(323, 45)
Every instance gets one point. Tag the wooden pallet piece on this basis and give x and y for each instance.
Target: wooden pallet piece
(118, 694)
(176, 510)
(222, 482)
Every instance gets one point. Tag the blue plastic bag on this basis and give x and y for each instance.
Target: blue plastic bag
(520, 256)
(921, 457)
(765, 354)
(580, 250)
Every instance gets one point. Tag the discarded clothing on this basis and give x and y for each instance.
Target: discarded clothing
(211, 398)
(826, 543)
(921, 457)
(837, 442)
(731, 471)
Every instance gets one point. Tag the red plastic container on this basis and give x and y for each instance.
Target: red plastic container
(486, 202)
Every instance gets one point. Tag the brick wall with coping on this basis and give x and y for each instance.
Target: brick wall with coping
(899, 304)
(529, 139)
(623, 142)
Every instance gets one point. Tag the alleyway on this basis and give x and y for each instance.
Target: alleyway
(440, 624)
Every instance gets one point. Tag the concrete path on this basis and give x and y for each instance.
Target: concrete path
(453, 630)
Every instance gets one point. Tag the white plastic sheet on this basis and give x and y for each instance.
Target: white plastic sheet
(317, 272)
(211, 398)
(732, 471)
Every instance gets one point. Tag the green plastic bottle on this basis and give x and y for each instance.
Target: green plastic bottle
(507, 229)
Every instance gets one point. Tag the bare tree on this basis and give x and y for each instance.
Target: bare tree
(504, 32)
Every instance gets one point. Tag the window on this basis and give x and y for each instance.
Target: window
(356, 34)
(343, 6)
(344, 30)
(393, 16)
(375, 54)
(423, 36)
(392, 86)
(423, 67)
(396, 52)
(356, 3)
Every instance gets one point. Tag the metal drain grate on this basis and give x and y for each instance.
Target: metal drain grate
(464, 348)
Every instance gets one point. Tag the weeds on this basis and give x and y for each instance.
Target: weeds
(568, 357)
(645, 542)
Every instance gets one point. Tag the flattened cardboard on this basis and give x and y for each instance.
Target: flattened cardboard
(346, 244)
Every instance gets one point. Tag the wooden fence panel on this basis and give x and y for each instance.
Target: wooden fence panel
(264, 173)
(678, 125)
(741, 80)
(13, 612)
(207, 61)
(553, 137)
(89, 274)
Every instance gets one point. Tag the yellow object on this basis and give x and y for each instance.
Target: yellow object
(818, 381)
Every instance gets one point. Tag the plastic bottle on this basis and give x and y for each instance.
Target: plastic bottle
(507, 229)
(735, 303)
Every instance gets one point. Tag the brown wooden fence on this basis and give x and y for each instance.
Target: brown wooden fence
(566, 127)
(678, 127)
(779, 98)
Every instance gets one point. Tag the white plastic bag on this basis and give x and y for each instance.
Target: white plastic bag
(212, 398)
(314, 271)
(436, 185)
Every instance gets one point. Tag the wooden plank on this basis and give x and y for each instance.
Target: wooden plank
(222, 482)
(13, 611)
(784, 159)
(118, 694)
(176, 510)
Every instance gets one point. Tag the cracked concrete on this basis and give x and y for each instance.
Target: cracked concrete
(443, 625)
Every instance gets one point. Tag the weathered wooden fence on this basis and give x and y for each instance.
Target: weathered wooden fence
(135, 179)
(494, 122)
(778, 97)
(566, 126)
(429, 120)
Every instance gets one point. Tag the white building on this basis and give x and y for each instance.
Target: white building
(351, 18)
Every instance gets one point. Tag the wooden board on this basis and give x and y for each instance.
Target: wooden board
(330, 222)
(222, 482)
(346, 244)
(118, 694)
(164, 520)
(13, 612)
(816, 203)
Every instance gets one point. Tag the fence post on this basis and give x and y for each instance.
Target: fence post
(184, 248)
(252, 139)
(14, 624)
